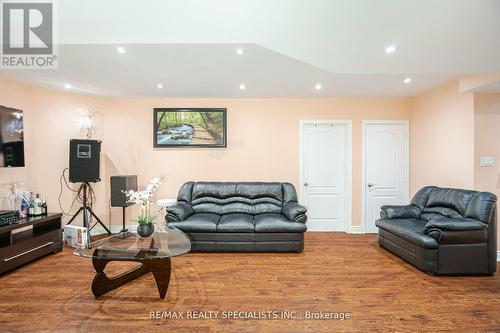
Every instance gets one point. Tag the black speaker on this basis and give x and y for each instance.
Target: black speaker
(84, 158)
(120, 184)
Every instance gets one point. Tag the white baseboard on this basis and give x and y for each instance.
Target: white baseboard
(498, 256)
(357, 229)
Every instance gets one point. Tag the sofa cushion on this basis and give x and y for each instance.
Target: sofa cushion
(459, 224)
(202, 222)
(411, 230)
(436, 213)
(420, 198)
(481, 206)
(453, 199)
(247, 190)
(236, 223)
(228, 198)
(277, 223)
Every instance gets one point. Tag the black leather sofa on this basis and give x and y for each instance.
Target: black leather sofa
(443, 231)
(242, 217)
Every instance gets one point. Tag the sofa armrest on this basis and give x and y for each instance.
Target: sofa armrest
(179, 212)
(457, 230)
(295, 212)
(400, 212)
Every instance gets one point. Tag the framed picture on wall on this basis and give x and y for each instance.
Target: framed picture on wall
(190, 127)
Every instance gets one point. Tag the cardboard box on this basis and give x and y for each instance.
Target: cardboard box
(75, 236)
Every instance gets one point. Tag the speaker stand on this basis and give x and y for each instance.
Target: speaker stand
(85, 209)
(123, 221)
(124, 233)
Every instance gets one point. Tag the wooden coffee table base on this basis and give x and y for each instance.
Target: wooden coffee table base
(159, 267)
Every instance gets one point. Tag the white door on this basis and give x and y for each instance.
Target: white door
(385, 164)
(325, 174)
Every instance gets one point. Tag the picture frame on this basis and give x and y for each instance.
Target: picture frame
(190, 127)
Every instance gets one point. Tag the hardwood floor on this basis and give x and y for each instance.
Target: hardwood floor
(337, 273)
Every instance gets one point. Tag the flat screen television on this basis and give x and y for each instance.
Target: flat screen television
(11, 137)
(189, 127)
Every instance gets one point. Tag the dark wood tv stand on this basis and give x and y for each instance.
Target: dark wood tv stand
(30, 239)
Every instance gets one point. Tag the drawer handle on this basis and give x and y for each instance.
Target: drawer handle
(26, 252)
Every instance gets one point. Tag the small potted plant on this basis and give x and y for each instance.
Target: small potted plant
(145, 221)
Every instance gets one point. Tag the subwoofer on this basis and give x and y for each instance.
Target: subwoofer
(84, 159)
(120, 184)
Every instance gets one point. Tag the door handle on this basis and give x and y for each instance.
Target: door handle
(370, 185)
(306, 184)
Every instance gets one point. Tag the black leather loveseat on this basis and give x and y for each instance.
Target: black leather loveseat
(443, 231)
(260, 217)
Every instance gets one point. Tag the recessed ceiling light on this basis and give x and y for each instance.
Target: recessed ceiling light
(407, 80)
(242, 87)
(120, 49)
(239, 51)
(67, 86)
(159, 86)
(318, 86)
(391, 49)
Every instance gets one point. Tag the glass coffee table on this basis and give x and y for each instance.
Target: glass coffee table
(154, 254)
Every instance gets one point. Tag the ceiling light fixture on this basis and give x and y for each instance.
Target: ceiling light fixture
(242, 87)
(318, 86)
(239, 51)
(407, 80)
(391, 49)
(159, 86)
(67, 86)
(120, 49)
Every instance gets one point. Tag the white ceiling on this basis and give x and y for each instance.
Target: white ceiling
(290, 45)
(188, 70)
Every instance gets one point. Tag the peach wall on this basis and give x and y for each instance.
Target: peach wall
(487, 143)
(48, 121)
(263, 139)
(442, 139)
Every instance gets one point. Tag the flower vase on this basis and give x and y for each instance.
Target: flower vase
(15, 204)
(145, 230)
